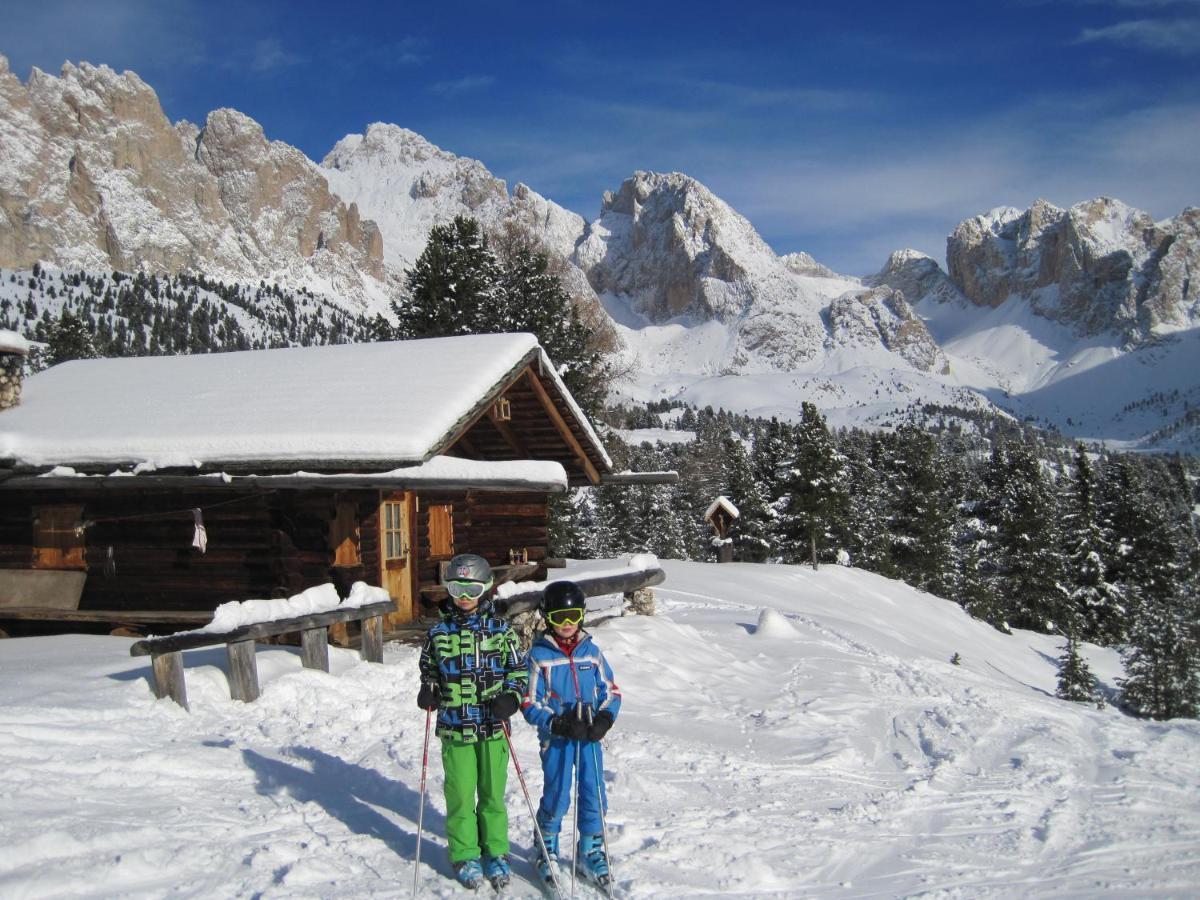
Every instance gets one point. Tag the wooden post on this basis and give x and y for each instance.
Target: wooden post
(372, 639)
(314, 648)
(243, 673)
(167, 674)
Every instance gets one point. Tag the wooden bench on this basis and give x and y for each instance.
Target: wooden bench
(166, 652)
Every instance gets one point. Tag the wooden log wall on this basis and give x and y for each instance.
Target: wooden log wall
(264, 544)
(267, 544)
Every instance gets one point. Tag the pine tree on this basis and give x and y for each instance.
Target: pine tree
(70, 338)
(751, 532)
(1162, 661)
(1024, 513)
(1075, 680)
(816, 500)
(921, 518)
(454, 286)
(1095, 601)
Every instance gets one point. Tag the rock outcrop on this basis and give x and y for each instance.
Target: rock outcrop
(1100, 266)
(92, 174)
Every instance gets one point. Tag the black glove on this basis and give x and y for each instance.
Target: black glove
(600, 725)
(502, 706)
(571, 727)
(429, 697)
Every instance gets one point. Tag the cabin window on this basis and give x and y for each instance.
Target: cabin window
(395, 538)
(344, 534)
(441, 530)
(58, 537)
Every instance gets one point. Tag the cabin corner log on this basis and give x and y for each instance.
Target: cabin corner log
(166, 652)
(624, 583)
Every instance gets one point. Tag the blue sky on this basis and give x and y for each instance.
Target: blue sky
(843, 129)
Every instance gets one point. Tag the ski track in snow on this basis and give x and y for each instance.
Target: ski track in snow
(837, 753)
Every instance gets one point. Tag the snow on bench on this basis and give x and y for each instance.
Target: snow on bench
(239, 624)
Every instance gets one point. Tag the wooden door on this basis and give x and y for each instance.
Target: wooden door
(398, 567)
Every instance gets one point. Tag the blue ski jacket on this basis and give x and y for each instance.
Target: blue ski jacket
(554, 676)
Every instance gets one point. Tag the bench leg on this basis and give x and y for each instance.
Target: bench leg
(167, 669)
(243, 672)
(314, 648)
(372, 639)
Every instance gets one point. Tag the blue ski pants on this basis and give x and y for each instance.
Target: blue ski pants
(558, 764)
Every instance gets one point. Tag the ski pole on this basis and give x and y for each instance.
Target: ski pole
(537, 828)
(421, 801)
(600, 802)
(575, 792)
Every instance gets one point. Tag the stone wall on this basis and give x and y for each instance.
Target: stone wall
(10, 378)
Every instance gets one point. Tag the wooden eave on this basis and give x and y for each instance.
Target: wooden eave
(543, 426)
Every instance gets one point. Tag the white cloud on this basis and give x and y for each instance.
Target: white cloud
(1178, 36)
(269, 54)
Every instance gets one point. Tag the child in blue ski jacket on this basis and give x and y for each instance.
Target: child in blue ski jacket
(573, 701)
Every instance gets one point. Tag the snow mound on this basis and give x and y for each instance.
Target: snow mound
(773, 624)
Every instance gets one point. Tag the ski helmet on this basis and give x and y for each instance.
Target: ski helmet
(468, 567)
(562, 595)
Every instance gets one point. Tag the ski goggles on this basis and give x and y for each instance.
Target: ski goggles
(471, 590)
(571, 616)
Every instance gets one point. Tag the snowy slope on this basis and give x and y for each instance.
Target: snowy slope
(785, 733)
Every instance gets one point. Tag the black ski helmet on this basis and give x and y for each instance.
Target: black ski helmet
(562, 595)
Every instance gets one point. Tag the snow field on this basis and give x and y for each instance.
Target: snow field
(784, 733)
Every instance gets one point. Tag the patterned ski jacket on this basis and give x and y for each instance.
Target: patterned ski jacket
(554, 675)
(472, 658)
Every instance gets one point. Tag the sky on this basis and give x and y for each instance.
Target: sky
(845, 130)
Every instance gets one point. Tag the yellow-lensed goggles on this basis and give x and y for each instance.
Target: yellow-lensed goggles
(565, 617)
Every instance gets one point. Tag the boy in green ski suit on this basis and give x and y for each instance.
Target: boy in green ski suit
(473, 673)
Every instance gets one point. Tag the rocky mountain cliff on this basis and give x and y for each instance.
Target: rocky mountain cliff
(1100, 266)
(92, 174)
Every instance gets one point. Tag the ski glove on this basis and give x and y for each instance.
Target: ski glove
(570, 727)
(600, 725)
(502, 706)
(429, 697)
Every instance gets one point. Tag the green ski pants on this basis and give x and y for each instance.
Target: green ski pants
(480, 767)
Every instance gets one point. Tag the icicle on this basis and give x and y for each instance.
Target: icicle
(200, 537)
(110, 562)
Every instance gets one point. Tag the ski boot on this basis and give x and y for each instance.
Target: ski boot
(497, 871)
(469, 873)
(546, 863)
(593, 860)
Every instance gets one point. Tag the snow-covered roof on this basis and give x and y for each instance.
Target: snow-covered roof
(724, 503)
(333, 406)
(11, 342)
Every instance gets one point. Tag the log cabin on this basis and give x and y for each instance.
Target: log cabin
(143, 492)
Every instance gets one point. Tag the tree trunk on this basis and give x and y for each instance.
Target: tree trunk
(812, 538)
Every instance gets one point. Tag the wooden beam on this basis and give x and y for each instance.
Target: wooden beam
(314, 648)
(167, 669)
(563, 427)
(243, 673)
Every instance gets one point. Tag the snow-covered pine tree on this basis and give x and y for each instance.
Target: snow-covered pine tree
(1025, 515)
(922, 513)
(816, 501)
(70, 338)
(751, 533)
(1075, 680)
(1096, 602)
(454, 286)
(1162, 659)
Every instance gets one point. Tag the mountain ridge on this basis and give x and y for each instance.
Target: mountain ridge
(95, 176)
